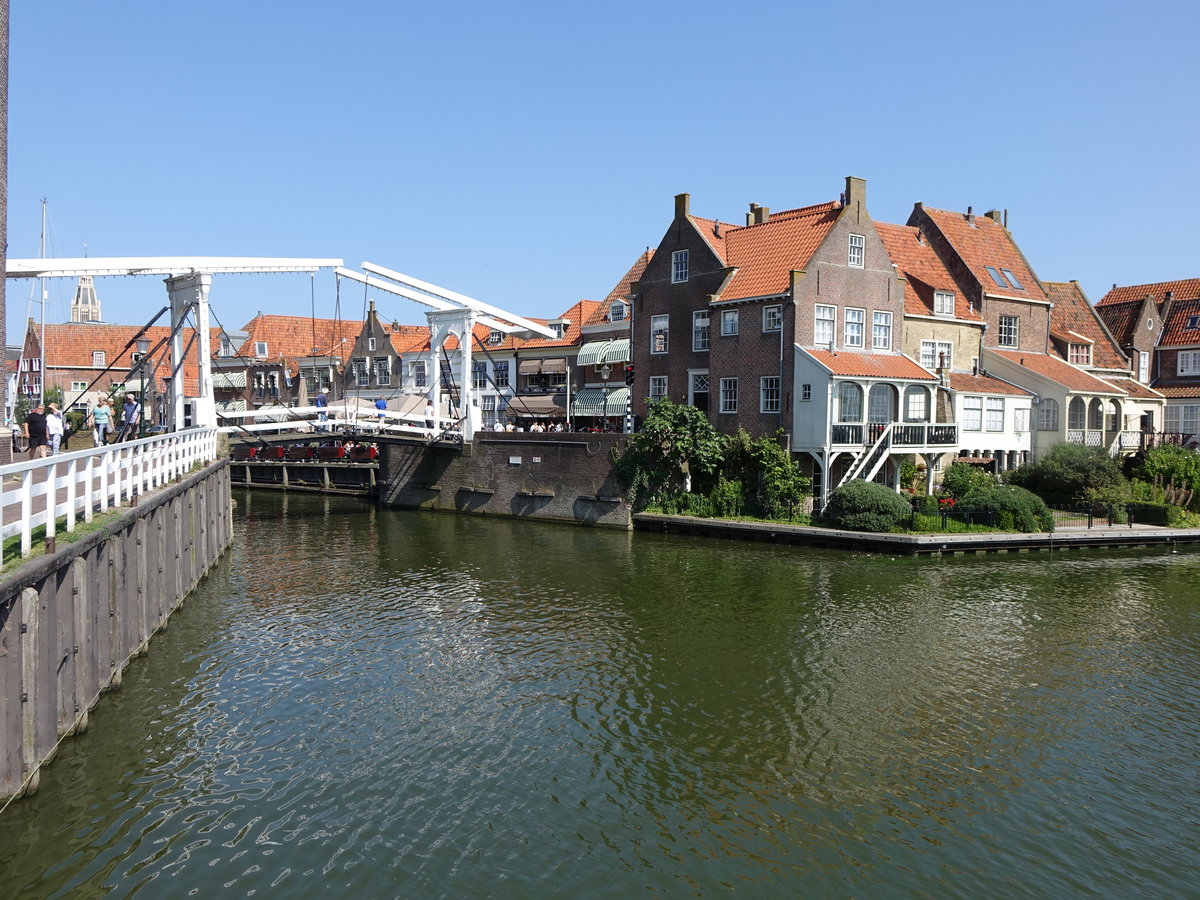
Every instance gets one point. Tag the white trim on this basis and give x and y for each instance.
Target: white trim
(1018, 299)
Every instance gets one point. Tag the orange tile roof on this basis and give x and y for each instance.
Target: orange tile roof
(70, 346)
(984, 384)
(870, 365)
(290, 337)
(1057, 370)
(1176, 332)
(923, 270)
(714, 232)
(1184, 289)
(1180, 391)
(1134, 389)
(766, 253)
(983, 243)
(1073, 314)
(1121, 319)
(623, 289)
(578, 314)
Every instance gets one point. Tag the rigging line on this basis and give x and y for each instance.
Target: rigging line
(454, 407)
(113, 364)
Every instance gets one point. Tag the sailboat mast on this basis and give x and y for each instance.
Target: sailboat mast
(42, 291)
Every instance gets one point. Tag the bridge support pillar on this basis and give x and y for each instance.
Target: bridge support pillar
(188, 292)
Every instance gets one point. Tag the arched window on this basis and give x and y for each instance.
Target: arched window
(1048, 415)
(881, 404)
(1076, 414)
(1096, 415)
(916, 404)
(1114, 415)
(850, 402)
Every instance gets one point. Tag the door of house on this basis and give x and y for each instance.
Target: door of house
(699, 391)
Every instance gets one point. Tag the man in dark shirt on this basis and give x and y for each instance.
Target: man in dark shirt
(35, 430)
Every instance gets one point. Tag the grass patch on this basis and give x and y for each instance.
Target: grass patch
(12, 545)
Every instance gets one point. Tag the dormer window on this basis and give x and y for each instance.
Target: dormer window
(943, 303)
(1079, 354)
(559, 328)
(1012, 279)
(98, 358)
(227, 348)
(260, 349)
(679, 266)
(618, 311)
(495, 337)
(136, 358)
(857, 251)
(1193, 322)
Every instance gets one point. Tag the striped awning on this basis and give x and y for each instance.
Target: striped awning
(556, 366)
(594, 402)
(229, 380)
(617, 352)
(592, 354)
(230, 406)
(530, 367)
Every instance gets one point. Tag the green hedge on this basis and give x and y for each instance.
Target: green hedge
(866, 506)
(1013, 508)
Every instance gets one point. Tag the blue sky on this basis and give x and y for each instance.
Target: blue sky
(525, 153)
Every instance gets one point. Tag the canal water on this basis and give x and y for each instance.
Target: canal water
(368, 703)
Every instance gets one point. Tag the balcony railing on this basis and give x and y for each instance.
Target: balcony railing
(909, 435)
(1087, 437)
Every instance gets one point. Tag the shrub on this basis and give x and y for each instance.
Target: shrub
(1072, 472)
(1013, 508)
(866, 506)
(727, 498)
(960, 479)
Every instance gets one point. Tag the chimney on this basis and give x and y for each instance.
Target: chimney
(758, 214)
(371, 306)
(682, 202)
(994, 215)
(971, 214)
(716, 228)
(856, 192)
(1170, 296)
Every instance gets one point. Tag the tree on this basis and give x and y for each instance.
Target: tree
(1168, 463)
(675, 445)
(1073, 472)
(961, 478)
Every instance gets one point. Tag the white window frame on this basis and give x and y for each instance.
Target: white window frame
(479, 376)
(1020, 420)
(993, 419)
(943, 303)
(419, 373)
(729, 395)
(79, 385)
(660, 326)
(701, 325)
(1144, 367)
(658, 387)
(260, 349)
(729, 322)
(679, 266)
(931, 352)
(881, 330)
(1187, 362)
(500, 373)
(98, 358)
(856, 251)
(383, 370)
(806, 392)
(971, 417)
(772, 317)
(1048, 415)
(769, 394)
(495, 337)
(618, 311)
(370, 343)
(1079, 354)
(854, 320)
(1009, 332)
(826, 314)
(1182, 418)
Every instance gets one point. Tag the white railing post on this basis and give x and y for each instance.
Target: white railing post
(72, 475)
(50, 487)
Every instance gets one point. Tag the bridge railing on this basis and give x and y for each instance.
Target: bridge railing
(74, 486)
(307, 418)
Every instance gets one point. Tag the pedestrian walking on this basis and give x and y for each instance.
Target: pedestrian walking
(101, 422)
(35, 432)
(55, 428)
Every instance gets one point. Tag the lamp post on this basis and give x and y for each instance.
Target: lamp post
(605, 371)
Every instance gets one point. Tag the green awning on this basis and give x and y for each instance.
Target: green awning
(229, 380)
(592, 402)
(617, 352)
(592, 354)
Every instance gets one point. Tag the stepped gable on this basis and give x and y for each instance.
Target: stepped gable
(870, 365)
(965, 382)
(1183, 289)
(1178, 329)
(923, 270)
(1121, 319)
(765, 253)
(1057, 370)
(980, 241)
(1073, 314)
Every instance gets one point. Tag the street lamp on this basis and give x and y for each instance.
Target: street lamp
(605, 371)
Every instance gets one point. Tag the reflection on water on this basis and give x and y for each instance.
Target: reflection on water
(379, 703)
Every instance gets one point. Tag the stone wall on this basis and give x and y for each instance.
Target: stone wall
(557, 477)
(71, 621)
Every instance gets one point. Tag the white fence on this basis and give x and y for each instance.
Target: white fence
(74, 486)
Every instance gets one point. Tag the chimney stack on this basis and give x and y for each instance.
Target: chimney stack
(971, 214)
(856, 192)
(682, 203)
(994, 215)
